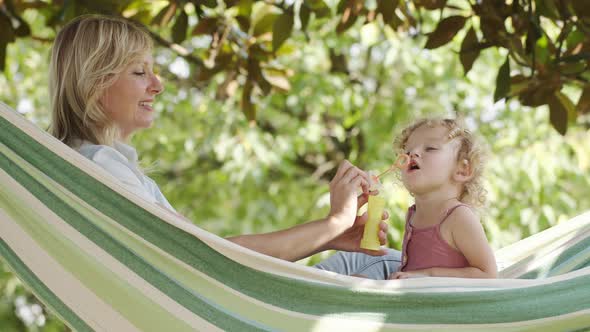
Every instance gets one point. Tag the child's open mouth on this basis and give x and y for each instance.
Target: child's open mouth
(413, 166)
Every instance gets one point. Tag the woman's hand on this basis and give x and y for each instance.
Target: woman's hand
(344, 187)
(350, 240)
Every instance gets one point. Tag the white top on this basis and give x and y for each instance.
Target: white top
(120, 161)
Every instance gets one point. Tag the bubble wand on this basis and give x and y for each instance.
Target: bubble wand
(402, 161)
(370, 238)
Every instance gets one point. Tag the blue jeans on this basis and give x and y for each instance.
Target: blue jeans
(372, 267)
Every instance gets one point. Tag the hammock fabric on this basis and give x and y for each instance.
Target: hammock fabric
(103, 259)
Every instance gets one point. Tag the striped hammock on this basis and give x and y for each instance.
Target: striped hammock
(103, 259)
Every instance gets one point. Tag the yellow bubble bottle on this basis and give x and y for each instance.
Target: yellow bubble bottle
(376, 206)
(375, 209)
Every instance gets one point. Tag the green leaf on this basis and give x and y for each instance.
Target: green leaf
(534, 32)
(576, 57)
(6, 36)
(387, 9)
(282, 28)
(572, 68)
(537, 95)
(319, 8)
(179, 28)
(265, 24)
(342, 4)
(143, 16)
(503, 81)
(583, 105)
(542, 50)
(245, 8)
(204, 74)
(231, 3)
(304, 13)
(23, 29)
(255, 75)
(568, 105)
(248, 108)
(548, 9)
(518, 84)
(446, 29)
(257, 52)
(3, 46)
(558, 113)
(264, 85)
(515, 45)
(430, 4)
(243, 22)
(6, 30)
(277, 80)
(469, 50)
(350, 9)
(208, 3)
(206, 26)
(574, 38)
(165, 15)
(397, 22)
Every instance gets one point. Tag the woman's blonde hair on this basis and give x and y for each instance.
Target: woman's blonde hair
(470, 148)
(87, 56)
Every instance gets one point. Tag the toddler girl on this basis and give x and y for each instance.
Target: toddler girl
(443, 236)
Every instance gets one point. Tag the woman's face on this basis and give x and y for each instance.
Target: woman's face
(129, 100)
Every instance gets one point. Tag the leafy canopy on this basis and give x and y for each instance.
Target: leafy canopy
(548, 41)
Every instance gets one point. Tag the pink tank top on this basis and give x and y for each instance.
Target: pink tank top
(425, 248)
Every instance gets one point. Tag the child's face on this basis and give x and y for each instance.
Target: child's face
(433, 160)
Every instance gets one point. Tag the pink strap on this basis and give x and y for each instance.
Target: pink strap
(449, 211)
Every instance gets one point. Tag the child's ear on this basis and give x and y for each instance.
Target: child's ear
(464, 171)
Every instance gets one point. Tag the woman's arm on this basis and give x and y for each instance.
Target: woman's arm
(293, 243)
(332, 232)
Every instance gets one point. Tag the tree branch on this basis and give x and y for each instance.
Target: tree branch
(183, 52)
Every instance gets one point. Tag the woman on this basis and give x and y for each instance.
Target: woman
(102, 88)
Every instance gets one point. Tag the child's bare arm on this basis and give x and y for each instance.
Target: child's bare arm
(470, 238)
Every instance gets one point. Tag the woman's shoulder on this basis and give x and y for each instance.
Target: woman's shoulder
(118, 165)
(100, 153)
(112, 160)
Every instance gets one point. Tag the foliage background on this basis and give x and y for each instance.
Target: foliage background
(230, 177)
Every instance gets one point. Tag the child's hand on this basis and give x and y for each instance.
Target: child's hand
(407, 275)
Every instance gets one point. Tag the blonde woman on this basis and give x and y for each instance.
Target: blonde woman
(102, 89)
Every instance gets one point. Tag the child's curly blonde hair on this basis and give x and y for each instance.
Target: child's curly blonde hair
(471, 149)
